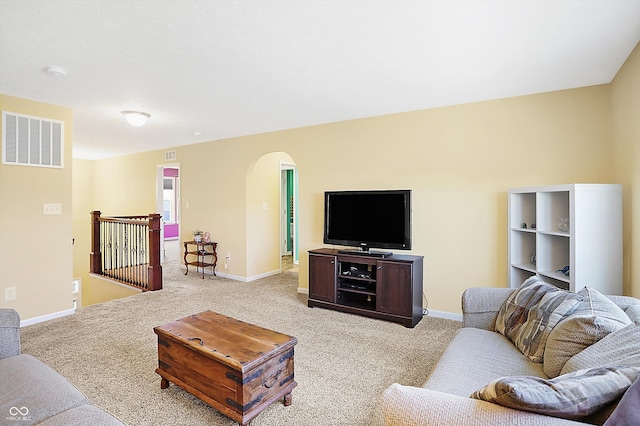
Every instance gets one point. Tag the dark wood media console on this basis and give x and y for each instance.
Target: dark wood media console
(388, 288)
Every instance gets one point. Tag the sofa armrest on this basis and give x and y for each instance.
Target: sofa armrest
(413, 406)
(9, 333)
(480, 306)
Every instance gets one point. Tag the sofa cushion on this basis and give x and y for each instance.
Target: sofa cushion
(595, 317)
(571, 396)
(530, 313)
(36, 387)
(633, 312)
(621, 347)
(473, 358)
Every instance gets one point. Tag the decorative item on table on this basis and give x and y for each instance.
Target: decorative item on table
(207, 237)
(564, 224)
(197, 236)
(564, 271)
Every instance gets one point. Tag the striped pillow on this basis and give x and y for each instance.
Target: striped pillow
(596, 317)
(530, 314)
(570, 396)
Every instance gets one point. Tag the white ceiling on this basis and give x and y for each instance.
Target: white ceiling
(239, 67)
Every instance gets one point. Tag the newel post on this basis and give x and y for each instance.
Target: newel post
(95, 257)
(155, 268)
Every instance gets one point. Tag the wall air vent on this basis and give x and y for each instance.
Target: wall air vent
(169, 155)
(32, 141)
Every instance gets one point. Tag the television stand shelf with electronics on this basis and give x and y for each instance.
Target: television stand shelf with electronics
(388, 288)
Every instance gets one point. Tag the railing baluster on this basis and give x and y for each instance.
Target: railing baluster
(127, 249)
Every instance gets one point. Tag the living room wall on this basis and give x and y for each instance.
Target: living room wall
(117, 187)
(36, 250)
(625, 111)
(459, 161)
(263, 214)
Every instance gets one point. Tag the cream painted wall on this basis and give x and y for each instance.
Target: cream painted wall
(83, 183)
(36, 254)
(263, 214)
(625, 107)
(126, 185)
(213, 179)
(117, 187)
(459, 161)
(94, 289)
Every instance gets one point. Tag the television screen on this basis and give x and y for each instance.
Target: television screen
(380, 219)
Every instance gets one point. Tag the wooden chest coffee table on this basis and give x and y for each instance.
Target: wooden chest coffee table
(236, 367)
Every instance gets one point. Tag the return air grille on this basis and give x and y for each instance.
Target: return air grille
(32, 141)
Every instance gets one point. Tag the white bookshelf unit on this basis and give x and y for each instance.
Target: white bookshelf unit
(589, 242)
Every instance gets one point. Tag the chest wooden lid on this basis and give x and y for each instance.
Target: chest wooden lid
(236, 343)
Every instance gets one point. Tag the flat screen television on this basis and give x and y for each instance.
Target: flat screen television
(368, 219)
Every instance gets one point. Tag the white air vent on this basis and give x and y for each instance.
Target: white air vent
(32, 141)
(169, 155)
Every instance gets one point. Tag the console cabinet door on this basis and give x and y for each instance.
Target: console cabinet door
(322, 277)
(394, 288)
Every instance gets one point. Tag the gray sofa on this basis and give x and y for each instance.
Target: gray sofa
(33, 393)
(478, 355)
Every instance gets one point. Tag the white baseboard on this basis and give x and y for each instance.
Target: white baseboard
(230, 277)
(266, 274)
(47, 317)
(245, 279)
(445, 315)
(303, 290)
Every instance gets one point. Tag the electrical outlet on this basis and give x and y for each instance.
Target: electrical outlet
(51, 209)
(9, 294)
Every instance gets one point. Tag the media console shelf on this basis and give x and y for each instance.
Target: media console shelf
(388, 288)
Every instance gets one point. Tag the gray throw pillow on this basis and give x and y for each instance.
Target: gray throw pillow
(621, 347)
(633, 312)
(530, 313)
(570, 396)
(594, 318)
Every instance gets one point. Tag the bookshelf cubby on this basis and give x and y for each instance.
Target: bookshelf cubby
(575, 227)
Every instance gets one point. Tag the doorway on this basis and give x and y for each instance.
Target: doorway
(168, 203)
(288, 223)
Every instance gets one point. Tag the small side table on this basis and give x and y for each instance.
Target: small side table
(201, 251)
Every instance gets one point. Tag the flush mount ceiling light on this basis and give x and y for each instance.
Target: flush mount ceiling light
(56, 71)
(136, 118)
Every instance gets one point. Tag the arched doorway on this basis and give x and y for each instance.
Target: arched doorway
(271, 213)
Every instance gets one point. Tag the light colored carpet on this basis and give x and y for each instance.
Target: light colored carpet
(343, 362)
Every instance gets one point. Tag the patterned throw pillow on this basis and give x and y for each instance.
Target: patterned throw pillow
(527, 317)
(594, 318)
(571, 396)
(621, 347)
